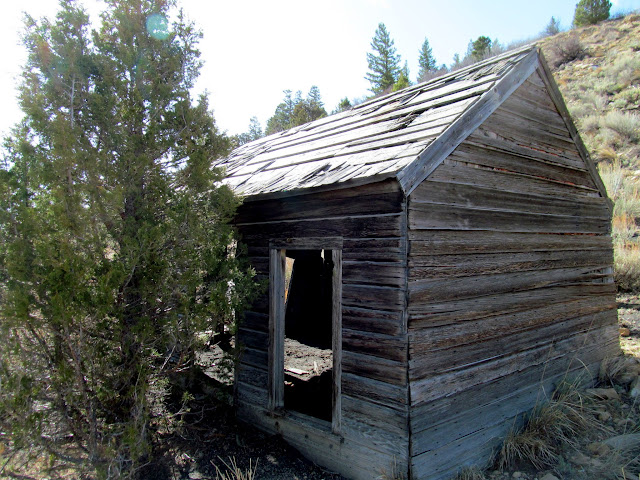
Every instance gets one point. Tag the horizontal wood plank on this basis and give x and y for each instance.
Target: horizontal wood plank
(460, 288)
(364, 226)
(374, 273)
(435, 216)
(375, 368)
(473, 151)
(374, 297)
(446, 242)
(462, 332)
(444, 266)
(442, 313)
(391, 347)
(353, 453)
(376, 321)
(376, 391)
(382, 197)
(459, 357)
(451, 383)
(435, 192)
(457, 170)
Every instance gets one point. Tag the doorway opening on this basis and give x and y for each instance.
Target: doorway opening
(308, 353)
(305, 328)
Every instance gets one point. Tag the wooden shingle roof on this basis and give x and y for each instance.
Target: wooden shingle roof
(405, 134)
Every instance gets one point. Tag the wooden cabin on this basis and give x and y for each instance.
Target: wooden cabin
(437, 259)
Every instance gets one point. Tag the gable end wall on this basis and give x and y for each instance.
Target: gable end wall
(510, 281)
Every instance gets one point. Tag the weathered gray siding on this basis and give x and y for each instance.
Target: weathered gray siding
(509, 284)
(371, 220)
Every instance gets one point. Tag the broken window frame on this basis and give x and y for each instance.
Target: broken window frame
(277, 312)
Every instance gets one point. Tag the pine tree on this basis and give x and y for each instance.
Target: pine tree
(590, 12)
(384, 64)
(426, 60)
(552, 28)
(293, 112)
(282, 118)
(457, 63)
(255, 129)
(253, 133)
(114, 246)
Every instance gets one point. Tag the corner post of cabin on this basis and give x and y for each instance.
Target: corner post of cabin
(277, 264)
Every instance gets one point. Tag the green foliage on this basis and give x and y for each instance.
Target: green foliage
(344, 105)
(480, 48)
(590, 12)
(457, 63)
(552, 28)
(384, 64)
(403, 79)
(293, 112)
(114, 245)
(253, 133)
(623, 123)
(426, 61)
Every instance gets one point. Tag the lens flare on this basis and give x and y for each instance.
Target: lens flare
(158, 26)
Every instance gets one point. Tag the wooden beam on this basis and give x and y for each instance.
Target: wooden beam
(336, 315)
(277, 263)
(307, 243)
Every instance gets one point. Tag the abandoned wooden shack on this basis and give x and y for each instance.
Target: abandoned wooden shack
(438, 259)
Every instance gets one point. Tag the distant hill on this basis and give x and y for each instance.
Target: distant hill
(598, 71)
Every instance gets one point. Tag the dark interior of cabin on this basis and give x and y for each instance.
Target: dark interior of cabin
(308, 361)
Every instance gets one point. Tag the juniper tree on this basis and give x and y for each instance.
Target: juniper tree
(590, 12)
(384, 64)
(114, 245)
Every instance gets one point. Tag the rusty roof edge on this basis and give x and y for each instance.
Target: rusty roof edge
(469, 120)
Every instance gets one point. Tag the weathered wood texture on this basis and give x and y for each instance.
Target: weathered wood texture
(509, 282)
(475, 254)
(370, 426)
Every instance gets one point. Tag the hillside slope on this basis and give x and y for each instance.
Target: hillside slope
(598, 71)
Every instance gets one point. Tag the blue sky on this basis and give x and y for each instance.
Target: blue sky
(255, 49)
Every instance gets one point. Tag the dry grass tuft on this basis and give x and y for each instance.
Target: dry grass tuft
(393, 474)
(234, 472)
(623, 123)
(549, 428)
(627, 267)
(612, 369)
